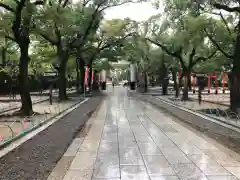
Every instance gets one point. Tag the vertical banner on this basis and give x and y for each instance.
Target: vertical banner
(86, 76)
(209, 83)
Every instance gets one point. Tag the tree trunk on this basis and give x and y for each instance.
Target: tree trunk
(26, 101)
(145, 82)
(78, 76)
(165, 86)
(189, 82)
(62, 84)
(81, 66)
(235, 77)
(165, 81)
(175, 83)
(185, 90)
(4, 50)
(82, 74)
(235, 92)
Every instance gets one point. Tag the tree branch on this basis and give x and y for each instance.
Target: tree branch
(226, 24)
(16, 1)
(85, 35)
(217, 45)
(118, 4)
(51, 41)
(57, 32)
(10, 38)
(7, 7)
(191, 56)
(85, 2)
(227, 8)
(65, 3)
(204, 58)
(38, 3)
(175, 54)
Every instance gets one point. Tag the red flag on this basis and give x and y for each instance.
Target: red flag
(86, 76)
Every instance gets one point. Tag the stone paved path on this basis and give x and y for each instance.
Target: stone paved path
(130, 139)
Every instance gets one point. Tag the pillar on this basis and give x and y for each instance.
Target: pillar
(103, 79)
(132, 76)
(86, 78)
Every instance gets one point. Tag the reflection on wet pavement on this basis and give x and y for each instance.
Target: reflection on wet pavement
(130, 139)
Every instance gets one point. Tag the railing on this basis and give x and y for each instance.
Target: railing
(11, 131)
(222, 115)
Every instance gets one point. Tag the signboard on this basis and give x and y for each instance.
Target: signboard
(200, 75)
(50, 74)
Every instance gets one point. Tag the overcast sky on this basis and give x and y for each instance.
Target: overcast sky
(138, 12)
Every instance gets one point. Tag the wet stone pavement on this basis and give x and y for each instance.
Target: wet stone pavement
(130, 139)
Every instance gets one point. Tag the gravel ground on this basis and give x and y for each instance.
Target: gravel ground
(35, 159)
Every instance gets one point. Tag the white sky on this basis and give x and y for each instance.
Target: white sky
(137, 12)
(134, 11)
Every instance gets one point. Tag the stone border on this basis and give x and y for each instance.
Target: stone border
(18, 107)
(35, 159)
(194, 118)
(21, 138)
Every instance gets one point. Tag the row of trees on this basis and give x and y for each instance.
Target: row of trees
(58, 32)
(190, 36)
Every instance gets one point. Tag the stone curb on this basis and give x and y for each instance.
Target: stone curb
(23, 133)
(194, 118)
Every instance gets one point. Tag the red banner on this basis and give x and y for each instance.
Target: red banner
(86, 76)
